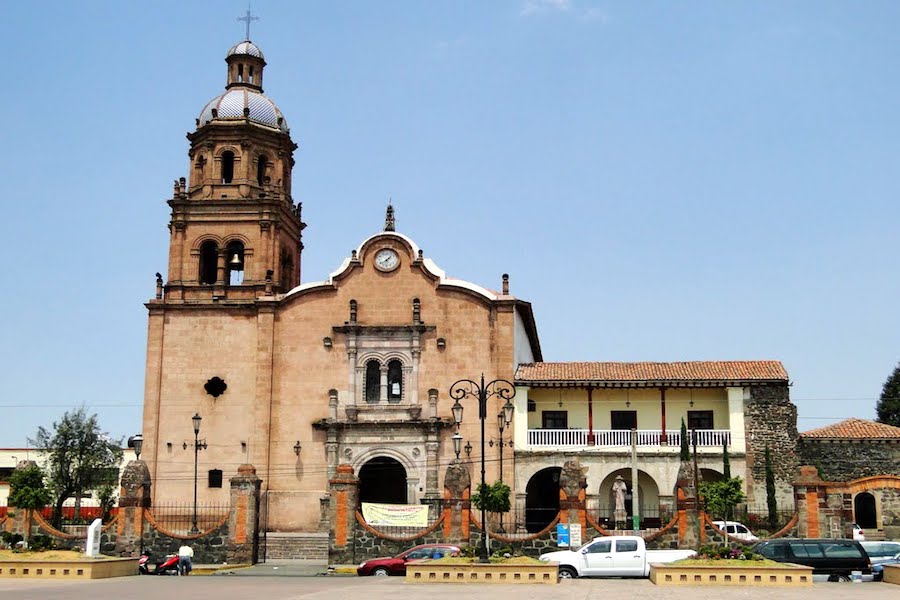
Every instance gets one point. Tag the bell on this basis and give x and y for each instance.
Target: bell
(236, 262)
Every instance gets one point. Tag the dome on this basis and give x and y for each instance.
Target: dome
(246, 47)
(232, 103)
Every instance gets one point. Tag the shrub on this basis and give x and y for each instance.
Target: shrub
(724, 552)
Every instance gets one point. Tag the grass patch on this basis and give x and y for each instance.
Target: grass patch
(730, 562)
(60, 555)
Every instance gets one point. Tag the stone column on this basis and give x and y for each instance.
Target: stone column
(572, 484)
(431, 465)
(332, 404)
(134, 497)
(456, 504)
(807, 499)
(243, 518)
(383, 385)
(690, 534)
(344, 498)
(432, 404)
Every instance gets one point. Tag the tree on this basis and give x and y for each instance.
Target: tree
(722, 496)
(888, 408)
(726, 461)
(771, 503)
(492, 498)
(685, 449)
(80, 458)
(27, 490)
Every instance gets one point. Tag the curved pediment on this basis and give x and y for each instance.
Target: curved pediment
(363, 257)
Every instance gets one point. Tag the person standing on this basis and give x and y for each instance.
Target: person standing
(185, 554)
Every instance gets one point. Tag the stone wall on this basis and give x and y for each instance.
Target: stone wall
(210, 548)
(890, 513)
(770, 418)
(845, 460)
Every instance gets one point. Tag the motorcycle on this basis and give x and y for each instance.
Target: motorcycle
(167, 566)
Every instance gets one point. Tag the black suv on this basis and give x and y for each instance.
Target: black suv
(836, 558)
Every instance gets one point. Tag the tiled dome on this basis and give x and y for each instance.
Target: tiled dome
(246, 47)
(232, 103)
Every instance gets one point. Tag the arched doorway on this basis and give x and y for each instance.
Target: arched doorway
(864, 509)
(709, 476)
(648, 496)
(382, 480)
(542, 499)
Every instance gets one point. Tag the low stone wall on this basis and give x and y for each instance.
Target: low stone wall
(438, 572)
(209, 548)
(674, 574)
(77, 569)
(293, 546)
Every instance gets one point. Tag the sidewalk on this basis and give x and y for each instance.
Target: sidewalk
(276, 568)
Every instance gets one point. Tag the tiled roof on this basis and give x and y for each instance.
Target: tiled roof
(736, 370)
(855, 429)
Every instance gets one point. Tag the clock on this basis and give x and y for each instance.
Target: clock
(386, 260)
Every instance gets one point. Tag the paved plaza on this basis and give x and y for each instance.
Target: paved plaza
(273, 587)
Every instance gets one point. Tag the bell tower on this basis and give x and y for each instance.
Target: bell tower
(235, 233)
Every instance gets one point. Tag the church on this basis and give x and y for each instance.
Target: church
(297, 377)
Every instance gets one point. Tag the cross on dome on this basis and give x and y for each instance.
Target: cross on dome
(248, 18)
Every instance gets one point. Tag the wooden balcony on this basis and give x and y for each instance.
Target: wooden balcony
(556, 438)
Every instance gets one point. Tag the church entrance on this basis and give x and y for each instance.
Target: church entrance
(864, 509)
(542, 499)
(382, 480)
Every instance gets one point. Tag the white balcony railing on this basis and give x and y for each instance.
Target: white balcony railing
(622, 437)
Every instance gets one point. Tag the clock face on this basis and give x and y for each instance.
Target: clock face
(386, 260)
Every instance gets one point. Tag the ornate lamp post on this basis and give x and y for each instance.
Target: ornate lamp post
(137, 443)
(504, 417)
(198, 446)
(466, 388)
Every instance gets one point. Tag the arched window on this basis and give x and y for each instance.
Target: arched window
(227, 166)
(251, 73)
(373, 381)
(261, 169)
(234, 263)
(287, 269)
(395, 381)
(240, 72)
(209, 256)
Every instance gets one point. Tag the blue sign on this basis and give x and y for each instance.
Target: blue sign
(562, 535)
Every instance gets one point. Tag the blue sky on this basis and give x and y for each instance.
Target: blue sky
(663, 181)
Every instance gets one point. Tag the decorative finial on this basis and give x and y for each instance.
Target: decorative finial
(248, 18)
(389, 223)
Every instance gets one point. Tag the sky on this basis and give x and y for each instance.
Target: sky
(662, 181)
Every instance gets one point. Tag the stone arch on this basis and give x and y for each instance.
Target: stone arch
(648, 496)
(542, 498)
(711, 475)
(410, 466)
(383, 479)
(865, 510)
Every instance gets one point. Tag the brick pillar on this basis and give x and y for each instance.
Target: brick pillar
(572, 484)
(689, 533)
(134, 497)
(344, 498)
(243, 517)
(807, 498)
(456, 504)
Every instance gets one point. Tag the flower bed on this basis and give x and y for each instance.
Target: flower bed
(64, 565)
(725, 565)
(519, 569)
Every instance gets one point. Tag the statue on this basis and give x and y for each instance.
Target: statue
(619, 488)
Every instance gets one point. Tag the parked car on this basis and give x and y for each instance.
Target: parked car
(834, 558)
(878, 568)
(396, 565)
(736, 530)
(881, 551)
(615, 556)
(858, 533)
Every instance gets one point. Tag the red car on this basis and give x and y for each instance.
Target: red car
(397, 565)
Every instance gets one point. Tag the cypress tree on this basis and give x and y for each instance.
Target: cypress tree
(685, 449)
(726, 461)
(888, 407)
(771, 503)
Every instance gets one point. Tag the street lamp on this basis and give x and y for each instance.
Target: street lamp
(198, 446)
(137, 442)
(503, 419)
(466, 388)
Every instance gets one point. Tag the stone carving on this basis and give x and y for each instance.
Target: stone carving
(619, 488)
(573, 478)
(457, 479)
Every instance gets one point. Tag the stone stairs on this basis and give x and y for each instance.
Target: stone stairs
(294, 546)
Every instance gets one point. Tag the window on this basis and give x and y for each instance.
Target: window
(626, 545)
(601, 547)
(227, 166)
(215, 478)
(554, 419)
(700, 419)
(373, 381)
(234, 263)
(287, 269)
(623, 419)
(261, 169)
(802, 550)
(251, 73)
(532, 405)
(395, 381)
(240, 72)
(209, 255)
(842, 551)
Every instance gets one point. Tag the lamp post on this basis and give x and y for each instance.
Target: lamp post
(466, 388)
(198, 446)
(137, 443)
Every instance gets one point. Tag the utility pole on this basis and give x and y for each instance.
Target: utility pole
(635, 499)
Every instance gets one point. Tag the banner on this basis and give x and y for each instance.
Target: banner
(403, 515)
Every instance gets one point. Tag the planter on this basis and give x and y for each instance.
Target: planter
(69, 569)
(437, 572)
(892, 574)
(781, 576)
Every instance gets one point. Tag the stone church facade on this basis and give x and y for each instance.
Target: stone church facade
(297, 378)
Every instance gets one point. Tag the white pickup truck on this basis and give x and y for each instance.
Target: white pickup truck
(614, 556)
